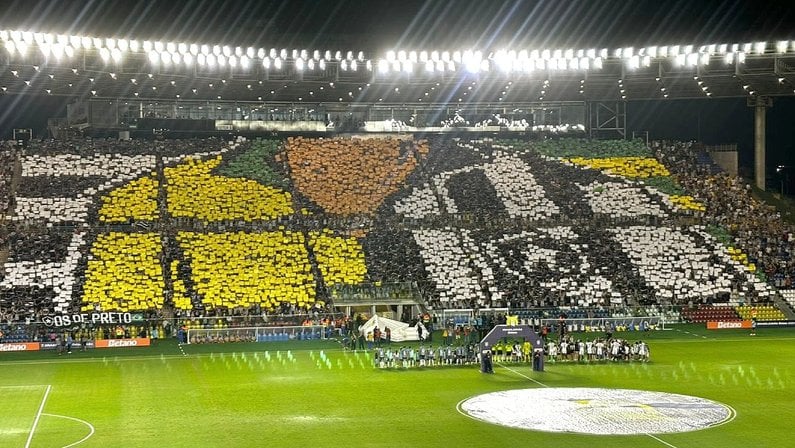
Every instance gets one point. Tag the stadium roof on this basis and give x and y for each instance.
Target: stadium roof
(415, 52)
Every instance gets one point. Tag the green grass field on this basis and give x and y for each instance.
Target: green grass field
(235, 395)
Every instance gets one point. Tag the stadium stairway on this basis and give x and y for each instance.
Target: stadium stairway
(785, 306)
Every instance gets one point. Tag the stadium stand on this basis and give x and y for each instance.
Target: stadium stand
(203, 227)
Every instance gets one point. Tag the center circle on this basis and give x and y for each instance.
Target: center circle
(600, 411)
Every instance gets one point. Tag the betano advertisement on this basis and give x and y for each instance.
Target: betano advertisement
(728, 325)
(99, 343)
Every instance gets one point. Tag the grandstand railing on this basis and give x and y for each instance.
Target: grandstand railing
(257, 334)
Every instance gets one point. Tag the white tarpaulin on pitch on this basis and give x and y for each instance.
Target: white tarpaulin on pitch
(401, 331)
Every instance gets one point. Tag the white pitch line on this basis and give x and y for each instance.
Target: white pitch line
(523, 375)
(38, 416)
(90, 427)
(661, 440)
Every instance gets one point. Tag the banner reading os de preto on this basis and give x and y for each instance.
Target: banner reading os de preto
(66, 320)
(728, 325)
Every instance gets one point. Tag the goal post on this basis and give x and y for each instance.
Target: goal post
(256, 334)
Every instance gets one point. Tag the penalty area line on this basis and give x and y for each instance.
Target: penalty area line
(38, 416)
(661, 440)
(522, 375)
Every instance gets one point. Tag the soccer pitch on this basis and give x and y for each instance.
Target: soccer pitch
(308, 393)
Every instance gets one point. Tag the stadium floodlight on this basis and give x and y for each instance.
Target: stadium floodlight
(159, 46)
(11, 47)
(187, 58)
(445, 56)
(401, 56)
(688, 49)
(182, 48)
(217, 50)
(277, 63)
(652, 51)
(266, 63)
(557, 54)
(423, 56)
(408, 66)
(283, 53)
(782, 45)
(383, 66)
(232, 61)
(747, 47)
(38, 38)
(316, 55)
(546, 55)
(122, 44)
(69, 51)
(568, 54)
(338, 55)
(722, 48)
(165, 57)
(147, 46)
(239, 52)
(97, 42)
(741, 57)
(104, 53)
(27, 37)
(154, 57)
(322, 64)
(116, 55)
(759, 47)
(211, 60)
(440, 66)
(597, 63)
(327, 55)
(110, 43)
(728, 58)
(704, 59)
(434, 55)
(201, 59)
(310, 64)
(349, 55)
(712, 48)
(391, 56)
(663, 51)
(429, 66)
(396, 66)
(273, 54)
(355, 65)
(294, 54)
(134, 45)
(585, 63)
(176, 58)
(344, 65)
(299, 64)
(73, 40)
(260, 53)
(221, 60)
(368, 65)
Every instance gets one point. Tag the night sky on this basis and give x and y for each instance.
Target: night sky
(376, 26)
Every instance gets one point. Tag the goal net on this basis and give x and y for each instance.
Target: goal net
(612, 324)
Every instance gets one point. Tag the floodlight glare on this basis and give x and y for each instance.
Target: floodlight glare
(211, 60)
(232, 61)
(260, 53)
(759, 47)
(110, 43)
(277, 63)
(176, 58)
(116, 55)
(188, 59)
(221, 60)
(322, 64)
(226, 50)
(147, 46)
(782, 45)
(299, 64)
(104, 53)
(201, 59)
(238, 51)
(165, 57)
(159, 46)
(266, 63)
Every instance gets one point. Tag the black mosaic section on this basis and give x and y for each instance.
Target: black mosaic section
(56, 186)
(473, 193)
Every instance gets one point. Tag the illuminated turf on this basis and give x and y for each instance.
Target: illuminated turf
(294, 394)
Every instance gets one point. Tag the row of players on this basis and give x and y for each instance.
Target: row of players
(567, 349)
(600, 349)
